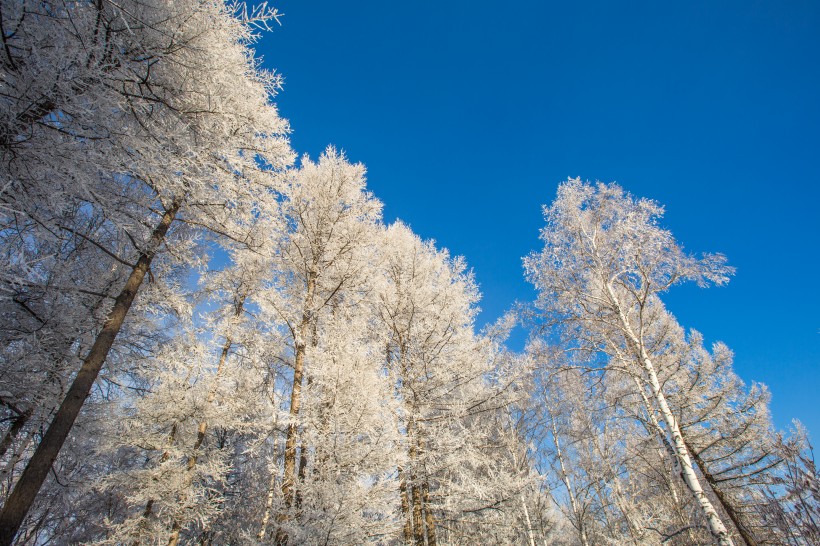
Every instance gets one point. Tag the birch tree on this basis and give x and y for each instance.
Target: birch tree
(604, 264)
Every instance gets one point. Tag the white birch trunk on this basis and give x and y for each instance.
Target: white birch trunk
(576, 511)
(263, 529)
(268, 506)
(716, 526)
(529, 523)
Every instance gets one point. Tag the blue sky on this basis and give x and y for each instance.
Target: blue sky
(469, 114)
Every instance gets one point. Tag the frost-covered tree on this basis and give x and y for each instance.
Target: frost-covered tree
(346, 474)
(604, 263)
(208, 391)
(323, 262)
(118, 121)
(455, 474)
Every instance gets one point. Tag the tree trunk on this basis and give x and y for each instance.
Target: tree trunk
(149, 506)
(27, 487)
(429, 520)
(727, 504)
(405, 508)
(415, 489)
(635, 344)
(530, 536)
(665, 447)
(418, 521)
(263, 529)
(301, 473)
(576, 510)
(289, 477)
(620, 499)
(716, 526)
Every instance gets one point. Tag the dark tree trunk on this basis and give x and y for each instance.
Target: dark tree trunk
(27, 487)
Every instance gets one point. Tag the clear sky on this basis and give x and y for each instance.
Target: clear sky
(468, 114)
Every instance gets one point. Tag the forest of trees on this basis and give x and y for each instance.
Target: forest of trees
(207, 341)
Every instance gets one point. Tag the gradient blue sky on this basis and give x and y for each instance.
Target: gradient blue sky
(469, 114)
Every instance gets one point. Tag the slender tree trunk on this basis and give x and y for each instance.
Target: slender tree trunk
(635, 343)
(726, 503)
(666, 447)
(620, 498)
(301, 473)
(263, 529)
(429, 520)
(605, 504)
(529, 523)
(418, 520)
(27, 487)
(622, 503)
(660, 434)
(716, 526)
(576, 510)
(405, 507)
(288, 484)
(289, 476)
(405, 488)
(415, 488)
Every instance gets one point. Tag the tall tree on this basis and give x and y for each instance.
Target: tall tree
(605, 262)
(140, 114)
(455, 473)
(323, 259)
